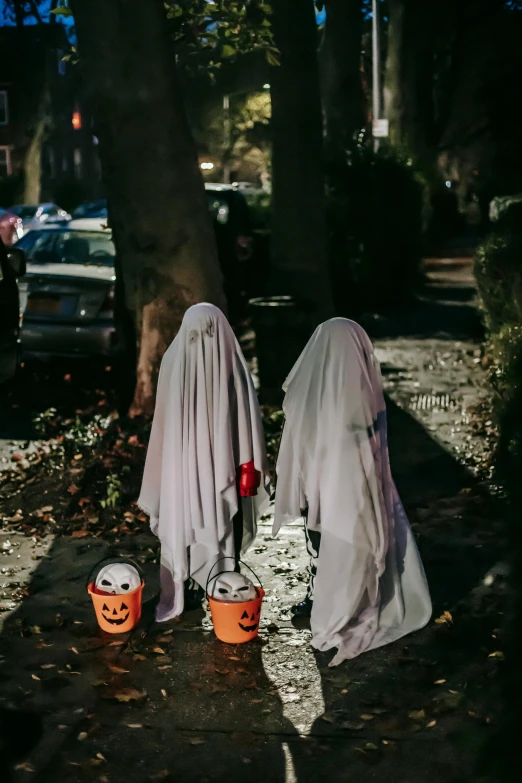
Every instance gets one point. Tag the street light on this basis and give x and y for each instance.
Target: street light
(379, 125)
(227, 130)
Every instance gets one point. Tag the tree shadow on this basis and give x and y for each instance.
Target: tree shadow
(198, 710)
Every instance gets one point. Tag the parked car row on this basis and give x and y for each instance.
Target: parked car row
(65, 267)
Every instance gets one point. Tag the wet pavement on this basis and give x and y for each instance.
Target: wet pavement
(171, 702)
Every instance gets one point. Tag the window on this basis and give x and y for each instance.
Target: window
(5, 162)
(78, 163)
(4, 108)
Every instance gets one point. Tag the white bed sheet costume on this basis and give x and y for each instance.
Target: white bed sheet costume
(370, 587)
(206, 424)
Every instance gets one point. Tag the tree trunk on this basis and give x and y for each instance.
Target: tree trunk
(340, 62)
(409, 85)
(160, 219)
(299, 239)
(33, 153)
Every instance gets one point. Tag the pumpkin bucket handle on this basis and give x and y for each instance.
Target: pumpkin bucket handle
(115, 559)
(228, 557)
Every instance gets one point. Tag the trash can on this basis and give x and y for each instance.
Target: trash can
(282, 326)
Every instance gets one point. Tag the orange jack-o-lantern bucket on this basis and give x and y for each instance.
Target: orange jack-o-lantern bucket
(120, 612)
(236, 622)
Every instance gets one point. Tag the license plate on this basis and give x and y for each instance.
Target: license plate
(43, 304)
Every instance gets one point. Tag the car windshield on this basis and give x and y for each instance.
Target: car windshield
(26, 213)
(94, 209)
(68, 247)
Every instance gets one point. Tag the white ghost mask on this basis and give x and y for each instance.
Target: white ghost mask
(231, 586)
(118, 579)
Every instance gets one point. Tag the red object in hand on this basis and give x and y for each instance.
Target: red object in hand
(249, 480)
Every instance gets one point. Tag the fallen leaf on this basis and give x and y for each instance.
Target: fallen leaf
(117, 643)
(133, 440)
(134, 725)
(80, 533)
(101, 757)
(16, 457)
(417, 714)
(351, 726)
(496, 654)
(73, 489)
(439, 682)
(221, 670)
(366, 716)
(431, 724)
(164, 693)
(78, 457)
(34, 677)
(74, 650)
(158, 651)
(127, 694)
(138, 657)
(445, 618)
(82, 735)
(117, 670)
(196, 741)
(48, 666)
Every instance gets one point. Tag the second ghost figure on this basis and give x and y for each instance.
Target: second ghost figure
(368, 586)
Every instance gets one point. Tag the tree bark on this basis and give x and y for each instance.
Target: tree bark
(160, 219)
(299, 239)
(340, 63)
(409, 84)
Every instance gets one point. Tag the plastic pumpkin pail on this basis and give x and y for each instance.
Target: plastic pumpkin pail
(236, 622)
(116, 613)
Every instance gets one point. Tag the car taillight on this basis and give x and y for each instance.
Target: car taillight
(108, 302)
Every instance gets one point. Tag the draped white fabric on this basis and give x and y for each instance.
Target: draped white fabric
(206, 424)
(370, 587)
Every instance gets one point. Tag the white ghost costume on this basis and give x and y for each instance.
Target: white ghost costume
(206, 424)
(370, 587)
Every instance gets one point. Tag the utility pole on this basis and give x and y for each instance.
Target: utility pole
(376, 70)
(227, 130)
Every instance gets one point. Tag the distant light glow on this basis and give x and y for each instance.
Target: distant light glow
(77, 120)
(266, 86)
(207, 166)
(448, 183)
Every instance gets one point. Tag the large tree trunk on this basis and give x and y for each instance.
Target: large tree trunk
(409, 85)
(340, 61)
(160, 219)
(299, 241)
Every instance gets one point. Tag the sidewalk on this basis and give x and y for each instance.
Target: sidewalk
(173, 703)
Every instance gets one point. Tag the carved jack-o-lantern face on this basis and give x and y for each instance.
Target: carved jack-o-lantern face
(115, 616)
(118, 579)
(231, 586)
(251, 620)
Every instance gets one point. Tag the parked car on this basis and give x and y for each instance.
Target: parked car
(10, 227)
(235, 244)
(12, 266)
(68, 292)
(34, 216)
(231, 219)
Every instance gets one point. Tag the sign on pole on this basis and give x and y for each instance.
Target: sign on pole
(380, 129)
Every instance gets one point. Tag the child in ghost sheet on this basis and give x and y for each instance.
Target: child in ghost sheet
(206, 466)
(367, 584)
